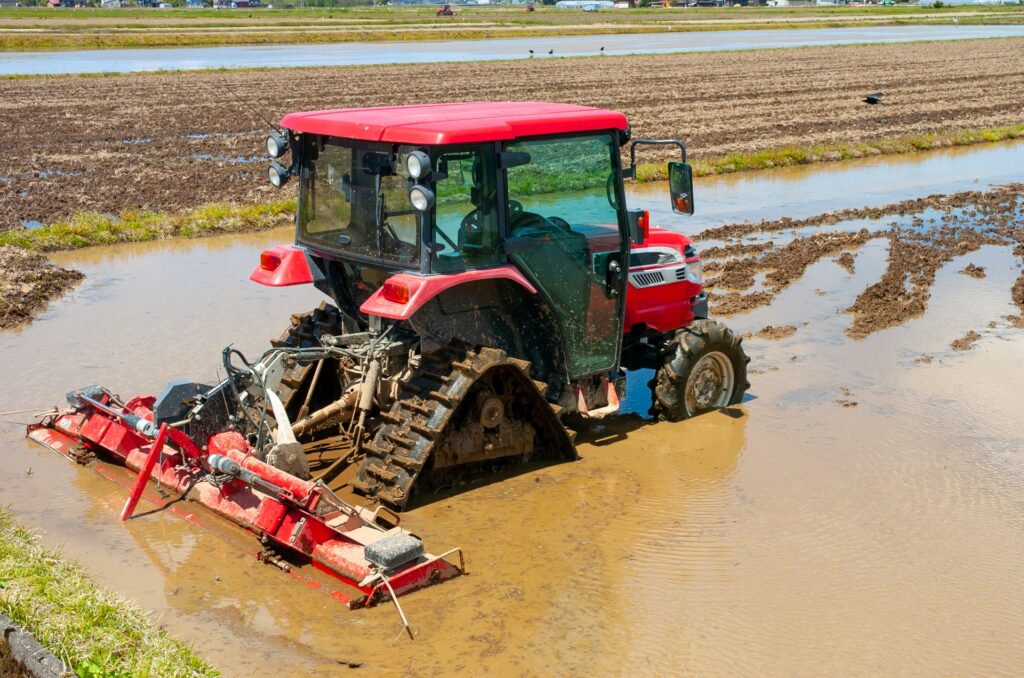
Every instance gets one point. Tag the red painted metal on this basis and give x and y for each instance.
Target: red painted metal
(423, 288)
(289, 516)
(462, 123)
(144, 473)
(282, 266)
(668, 307)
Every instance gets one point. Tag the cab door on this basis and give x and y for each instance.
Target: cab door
(569, 239)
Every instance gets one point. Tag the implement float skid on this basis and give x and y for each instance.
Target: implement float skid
(300, 517)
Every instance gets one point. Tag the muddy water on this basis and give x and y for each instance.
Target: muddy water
(789, 536)
(353, 53)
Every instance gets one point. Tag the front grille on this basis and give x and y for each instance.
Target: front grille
(648, 278)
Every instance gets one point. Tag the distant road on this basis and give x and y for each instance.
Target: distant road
(355, 53)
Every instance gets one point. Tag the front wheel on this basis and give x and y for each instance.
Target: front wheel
(703, 368)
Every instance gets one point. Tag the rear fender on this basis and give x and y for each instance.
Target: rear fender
(403, 294)
(282, 266)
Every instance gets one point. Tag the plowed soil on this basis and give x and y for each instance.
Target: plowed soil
(171, 141)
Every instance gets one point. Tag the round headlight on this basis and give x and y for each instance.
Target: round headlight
(278, 174)
(421, 197)
(418, 164)
(277, 145)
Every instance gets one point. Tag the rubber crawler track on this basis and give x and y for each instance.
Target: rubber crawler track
(421, 419)
(305, 332)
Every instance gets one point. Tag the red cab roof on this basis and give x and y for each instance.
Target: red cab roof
(454, 123)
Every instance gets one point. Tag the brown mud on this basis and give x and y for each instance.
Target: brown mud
(957, 224)
(966, 342)
(772, 332)
(28, 282)
(973, 271)
(170, 141)
(783, 265)
(846, 260)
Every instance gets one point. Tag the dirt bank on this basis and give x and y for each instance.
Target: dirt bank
(172, 141)
(27, 283)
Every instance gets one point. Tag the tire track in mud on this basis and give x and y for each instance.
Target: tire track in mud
(169, 141)
(957, 224)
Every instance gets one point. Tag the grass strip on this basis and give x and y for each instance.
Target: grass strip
(86, 229)
(92, 228)
(791, 156)
(96, 632)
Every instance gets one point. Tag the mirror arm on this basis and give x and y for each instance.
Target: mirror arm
(631, 172)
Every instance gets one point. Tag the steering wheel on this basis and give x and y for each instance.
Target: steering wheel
(515, 209)
(561, 223)
(471, 222)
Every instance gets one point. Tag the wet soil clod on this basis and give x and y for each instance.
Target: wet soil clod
(28, 281)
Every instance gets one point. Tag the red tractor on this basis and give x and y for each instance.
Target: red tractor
(487, 283)
(486, 254)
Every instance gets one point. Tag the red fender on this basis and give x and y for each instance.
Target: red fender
(282, 266)
(403, 294)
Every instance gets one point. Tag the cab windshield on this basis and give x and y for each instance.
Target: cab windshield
(354, 199)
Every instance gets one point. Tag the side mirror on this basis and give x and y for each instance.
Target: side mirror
(639, 225)
(680, 186)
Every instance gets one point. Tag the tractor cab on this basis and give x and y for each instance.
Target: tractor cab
(392, 199)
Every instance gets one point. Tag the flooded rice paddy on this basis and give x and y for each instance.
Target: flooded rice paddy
(430, 52)
(860, 514)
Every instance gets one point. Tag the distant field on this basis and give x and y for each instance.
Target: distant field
(49, 29)
(172, 141)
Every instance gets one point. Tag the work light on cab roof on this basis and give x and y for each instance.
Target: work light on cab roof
(487, 283)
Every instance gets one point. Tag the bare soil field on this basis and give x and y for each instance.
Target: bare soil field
(174, 141)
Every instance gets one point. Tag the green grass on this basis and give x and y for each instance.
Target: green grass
(93, 630)
(92, 228)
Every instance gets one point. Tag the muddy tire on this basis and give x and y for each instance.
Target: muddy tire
(703, 368)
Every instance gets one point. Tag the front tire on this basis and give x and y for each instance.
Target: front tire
(703, 368)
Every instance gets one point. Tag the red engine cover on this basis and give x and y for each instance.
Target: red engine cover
(658, 295)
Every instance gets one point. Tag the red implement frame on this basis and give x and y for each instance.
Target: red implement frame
(297, 516)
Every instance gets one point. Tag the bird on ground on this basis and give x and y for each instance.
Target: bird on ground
(956, 20)
(601, 50)
(550, 52)
(875, 98)
(531, 53)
